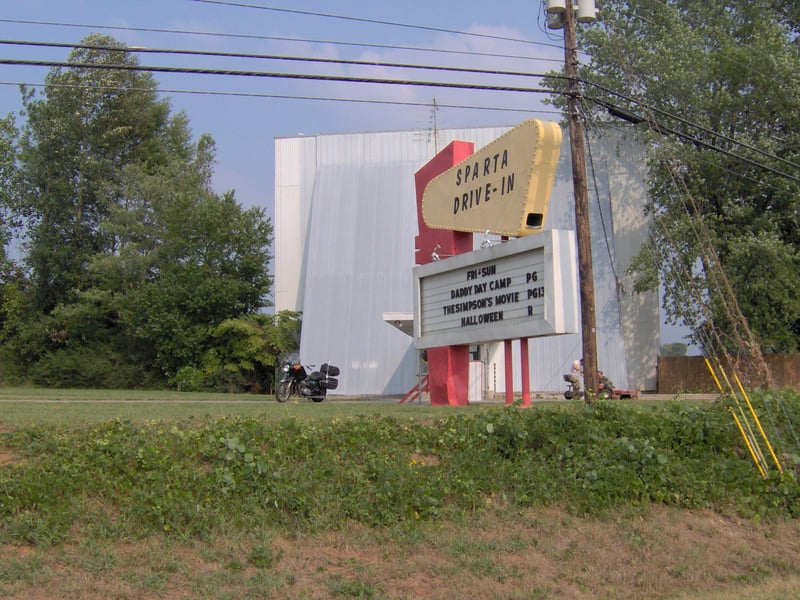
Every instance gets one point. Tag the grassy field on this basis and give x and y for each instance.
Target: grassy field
(123, 458)
(32, 406)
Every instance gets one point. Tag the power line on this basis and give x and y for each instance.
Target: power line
(371, 21)
(276, 38)
(613, 109)
(659, 128)
(277, 57)
(288, 97)
(265, 74)
(620, 112)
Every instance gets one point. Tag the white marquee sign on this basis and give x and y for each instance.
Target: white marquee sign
(522, 288)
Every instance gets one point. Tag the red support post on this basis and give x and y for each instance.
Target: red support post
(507, 350)
(448, 366)
(526, 372)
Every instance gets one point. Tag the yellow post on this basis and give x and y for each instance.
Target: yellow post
(760, 428)
(713, 375)
(749, 436)
(747, 442)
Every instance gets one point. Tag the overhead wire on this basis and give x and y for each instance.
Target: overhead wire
(275, 57)
(277, 38)
(323, 60)
(613, 109)
(618, 111)
(288, 97)
(593, 170)
(662, 127)
(277, 75)
(372, 21)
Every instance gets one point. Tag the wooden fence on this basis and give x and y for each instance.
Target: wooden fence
(689, 374)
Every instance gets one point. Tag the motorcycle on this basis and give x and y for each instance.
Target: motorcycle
(301, 380)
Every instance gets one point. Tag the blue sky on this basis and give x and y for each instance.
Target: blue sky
(244, 127)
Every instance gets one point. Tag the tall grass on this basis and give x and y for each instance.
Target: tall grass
(190, 479)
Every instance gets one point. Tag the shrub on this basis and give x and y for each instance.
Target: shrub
(190, 481)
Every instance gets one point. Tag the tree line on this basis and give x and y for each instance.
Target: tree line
(712, 89)
(133, 272)
(130, 270)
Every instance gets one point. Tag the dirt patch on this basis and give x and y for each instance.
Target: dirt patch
(540, 553)
(425, 460)
(7, 458)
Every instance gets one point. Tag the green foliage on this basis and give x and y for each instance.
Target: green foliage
(243, 355)
(11, 280)
(77, 140)
(93, 366)
(675, 349)
(8, 175)
(132, 257)
(707, 70)
(161, 478)
(773, 291)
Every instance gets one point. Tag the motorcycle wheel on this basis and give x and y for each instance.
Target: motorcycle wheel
(283, 391)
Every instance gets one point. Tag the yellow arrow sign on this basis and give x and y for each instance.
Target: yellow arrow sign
(503, 188)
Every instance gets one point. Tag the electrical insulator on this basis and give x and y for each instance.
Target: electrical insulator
(586, 11)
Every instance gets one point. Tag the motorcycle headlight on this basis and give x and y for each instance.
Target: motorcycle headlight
(285, 368)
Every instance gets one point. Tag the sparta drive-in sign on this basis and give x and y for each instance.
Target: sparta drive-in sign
(504, 187)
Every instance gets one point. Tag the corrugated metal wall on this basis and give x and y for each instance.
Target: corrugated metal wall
(355, 260)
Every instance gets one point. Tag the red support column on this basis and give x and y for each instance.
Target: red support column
(526, 372)
(507, 350)
(448, 366)
(448, 375)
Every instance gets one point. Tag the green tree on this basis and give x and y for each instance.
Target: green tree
(90, 123)
(8, 178)
(715, 90)
(12, 282)
(674, 349)
(244, 355)
(133, 258)
(200, 260)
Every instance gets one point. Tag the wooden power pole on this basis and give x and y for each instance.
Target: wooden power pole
(582, 231)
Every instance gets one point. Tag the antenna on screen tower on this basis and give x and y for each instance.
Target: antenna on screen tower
(434, 125)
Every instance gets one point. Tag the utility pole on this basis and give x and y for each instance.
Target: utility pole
(582, 231)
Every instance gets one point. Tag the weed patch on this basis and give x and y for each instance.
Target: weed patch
(193, 480)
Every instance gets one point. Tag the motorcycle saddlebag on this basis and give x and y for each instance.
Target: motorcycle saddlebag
(329, 370)
(329, 383)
